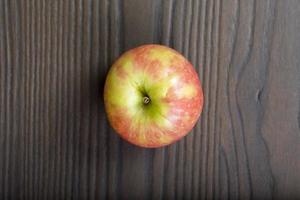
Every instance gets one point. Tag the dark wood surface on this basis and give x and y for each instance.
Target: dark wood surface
(55, 142)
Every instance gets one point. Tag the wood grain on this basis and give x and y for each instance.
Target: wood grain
(56, 143)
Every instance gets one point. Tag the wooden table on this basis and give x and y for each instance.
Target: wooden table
(55, 142)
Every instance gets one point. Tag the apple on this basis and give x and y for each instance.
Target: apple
(152, 96)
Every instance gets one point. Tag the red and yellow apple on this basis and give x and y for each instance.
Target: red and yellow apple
(152, 96)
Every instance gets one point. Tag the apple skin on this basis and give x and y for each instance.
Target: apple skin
(152, 96)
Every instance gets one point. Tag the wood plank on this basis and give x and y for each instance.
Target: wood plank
(55, 140)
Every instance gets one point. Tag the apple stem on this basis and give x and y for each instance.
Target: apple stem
(146, 100)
